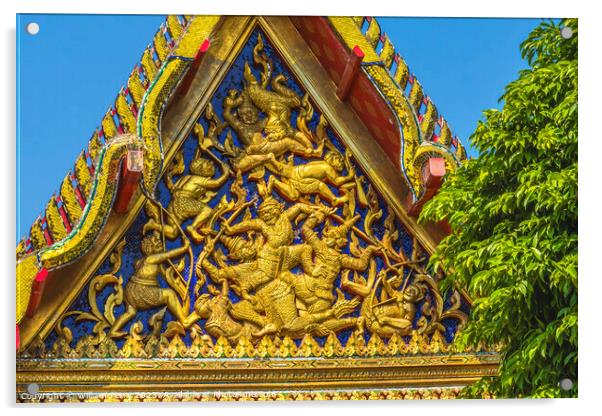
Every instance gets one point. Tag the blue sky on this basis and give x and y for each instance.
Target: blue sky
(463, 64)
(70, 72)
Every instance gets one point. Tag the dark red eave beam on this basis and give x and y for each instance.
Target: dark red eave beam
(131, 171)
(433, 172)
(187, 81)
(352, 68)
(37, 289)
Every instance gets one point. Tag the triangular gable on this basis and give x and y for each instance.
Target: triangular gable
(309, 170)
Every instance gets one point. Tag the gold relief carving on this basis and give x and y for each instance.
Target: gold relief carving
(301, 376)
(190, 196)
(157, 345)
(286, 291)
(208, 367)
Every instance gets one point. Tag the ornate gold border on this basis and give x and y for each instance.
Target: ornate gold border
(437, 393)
(203, 378)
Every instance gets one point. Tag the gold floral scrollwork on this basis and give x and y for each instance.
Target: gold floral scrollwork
(106, 317)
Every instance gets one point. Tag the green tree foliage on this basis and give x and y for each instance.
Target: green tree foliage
(514, 215)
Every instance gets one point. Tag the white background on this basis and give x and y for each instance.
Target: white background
(590, 175)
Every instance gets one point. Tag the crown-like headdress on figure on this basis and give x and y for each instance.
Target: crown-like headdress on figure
(200, 164)
(233, 244)
(239, 248)
(267, 204)
(246, 103)
(150, 243)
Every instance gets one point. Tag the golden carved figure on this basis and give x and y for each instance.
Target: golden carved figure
(244, 276)
(310, 178)
(190, 195)
(243, 116)
(275, 295)
(394, 311)
(280, 137)
(275, 224)
(395, 314)
(329, 259)
(216, 307)
(143, 290)
(274, 134)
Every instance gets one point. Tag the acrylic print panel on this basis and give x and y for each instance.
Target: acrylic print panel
(275, 208)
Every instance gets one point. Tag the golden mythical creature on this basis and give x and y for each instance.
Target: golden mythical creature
(272, 305)
(143, 290)
(216, 308)
(244, 276)
(275, 224)
(314, 289)
(190, 195)
(273, 290)
(278, 137)
(309, 178)
(392, 313)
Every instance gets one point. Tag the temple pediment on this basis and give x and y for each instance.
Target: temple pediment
(265, 235)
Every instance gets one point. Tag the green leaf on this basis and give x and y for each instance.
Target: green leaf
(513, 211)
